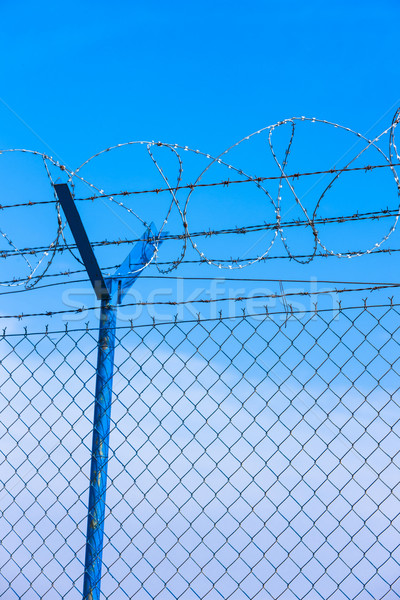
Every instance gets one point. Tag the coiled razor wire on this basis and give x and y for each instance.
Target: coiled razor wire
(37, 271)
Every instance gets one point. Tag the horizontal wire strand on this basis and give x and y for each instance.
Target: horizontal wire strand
(284, 295)
(200, 319)
(192, 186)
(238, 230)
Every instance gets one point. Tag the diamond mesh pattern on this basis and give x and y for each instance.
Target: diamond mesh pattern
(248, 459)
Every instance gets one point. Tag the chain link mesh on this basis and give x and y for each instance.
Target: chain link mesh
(249, 458)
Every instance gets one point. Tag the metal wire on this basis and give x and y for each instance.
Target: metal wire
(249, 459)
(179, 205)
(192, 186)
(235, 299)
(242, 230)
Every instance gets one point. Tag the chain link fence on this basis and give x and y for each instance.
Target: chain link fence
(249, 458)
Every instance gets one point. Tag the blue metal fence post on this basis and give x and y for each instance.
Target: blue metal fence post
(100, 449)
(111, 292)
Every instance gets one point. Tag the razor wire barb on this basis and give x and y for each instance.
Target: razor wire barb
(311, 220)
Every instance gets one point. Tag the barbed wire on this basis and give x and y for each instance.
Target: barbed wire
(223, 279)
(259, 296)
(238, 230)
(201, 318)
(311, 219)
(193, 186)
(21, 280)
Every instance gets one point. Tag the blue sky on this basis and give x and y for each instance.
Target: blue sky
(84, 75)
